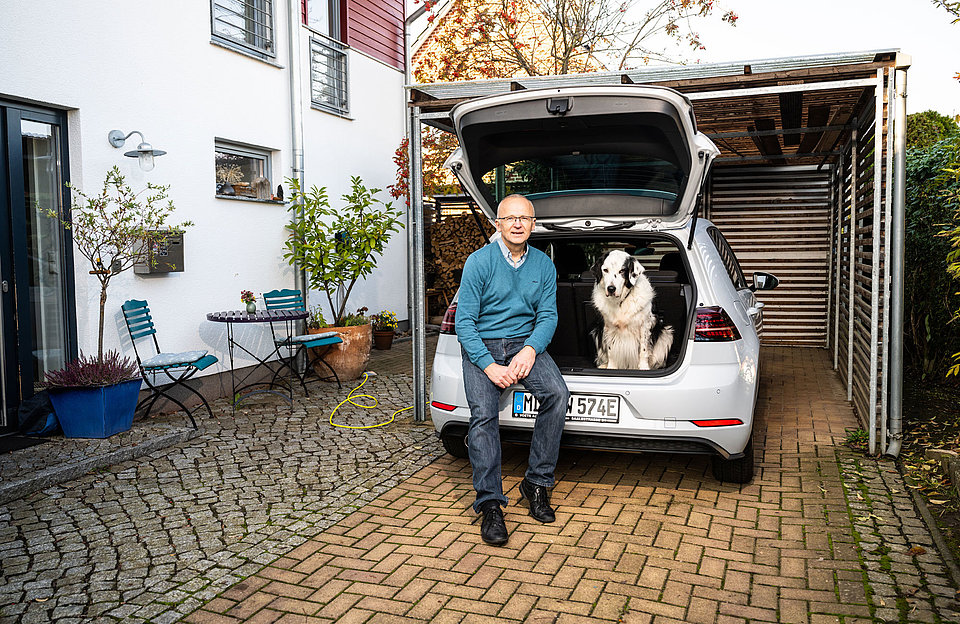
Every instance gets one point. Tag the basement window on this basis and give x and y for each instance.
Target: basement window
(242, 171)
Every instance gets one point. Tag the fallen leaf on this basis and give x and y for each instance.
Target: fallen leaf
(938, 501)
(916, 550)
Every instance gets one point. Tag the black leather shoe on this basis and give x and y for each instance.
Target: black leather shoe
(493, 530)
(539, 501)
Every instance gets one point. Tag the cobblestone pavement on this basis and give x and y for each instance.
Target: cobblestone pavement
(271, 515)
(821, 535)
(153, 538)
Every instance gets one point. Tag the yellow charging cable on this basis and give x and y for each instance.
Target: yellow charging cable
(350, 399)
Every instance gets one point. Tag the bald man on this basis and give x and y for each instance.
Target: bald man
(506, 316)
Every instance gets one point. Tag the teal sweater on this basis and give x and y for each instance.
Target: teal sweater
(499, 301)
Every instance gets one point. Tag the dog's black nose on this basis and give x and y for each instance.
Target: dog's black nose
(611, 289)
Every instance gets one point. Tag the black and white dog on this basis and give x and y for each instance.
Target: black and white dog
(631, 337)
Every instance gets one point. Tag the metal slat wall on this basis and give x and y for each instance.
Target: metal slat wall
(858, 311)
(778, 220)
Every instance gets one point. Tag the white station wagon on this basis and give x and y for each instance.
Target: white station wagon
(616, 167)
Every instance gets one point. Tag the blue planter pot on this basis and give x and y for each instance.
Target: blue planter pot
(96, 412)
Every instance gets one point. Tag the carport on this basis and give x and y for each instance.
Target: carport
(809, 186)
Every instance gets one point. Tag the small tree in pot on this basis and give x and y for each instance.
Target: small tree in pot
(338, 247)
(113, 230)
(117, 228)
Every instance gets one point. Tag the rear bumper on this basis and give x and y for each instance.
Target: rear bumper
(604, 442)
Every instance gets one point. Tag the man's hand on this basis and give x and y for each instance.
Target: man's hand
(522, 362)
(501, 376)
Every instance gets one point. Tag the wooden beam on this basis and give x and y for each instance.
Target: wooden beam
(416, 95)
(811, 74)
(791, 116)
(768, 144)
(816, 116)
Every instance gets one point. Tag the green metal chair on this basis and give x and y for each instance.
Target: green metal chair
(178, 367)
(295, 344)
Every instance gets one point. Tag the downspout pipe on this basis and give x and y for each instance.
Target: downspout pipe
(407, 59)
(296, 124)
(895, 428)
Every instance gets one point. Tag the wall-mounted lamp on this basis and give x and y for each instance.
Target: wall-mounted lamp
(144, 152)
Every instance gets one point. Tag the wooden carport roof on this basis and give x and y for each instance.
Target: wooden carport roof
(793, 110)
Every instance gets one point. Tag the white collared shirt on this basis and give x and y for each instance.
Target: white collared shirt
(509, 254)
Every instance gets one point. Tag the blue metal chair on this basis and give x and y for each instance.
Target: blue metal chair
(288, 299)
(178, 367)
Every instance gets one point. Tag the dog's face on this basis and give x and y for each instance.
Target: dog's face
(616, 273)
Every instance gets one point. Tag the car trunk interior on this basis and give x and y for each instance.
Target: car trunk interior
(573, 347)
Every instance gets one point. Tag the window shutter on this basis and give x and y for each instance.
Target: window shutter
(303, 11)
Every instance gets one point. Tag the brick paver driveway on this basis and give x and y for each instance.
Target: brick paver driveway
(819, 536)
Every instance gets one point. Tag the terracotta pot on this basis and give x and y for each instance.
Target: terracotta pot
(383, 339)
(349, 358)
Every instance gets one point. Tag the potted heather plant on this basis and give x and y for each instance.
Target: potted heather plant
(94, 397)
(336, 248)
(114, 230)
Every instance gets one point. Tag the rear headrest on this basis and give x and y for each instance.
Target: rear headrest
(569, 260)
(671, 261)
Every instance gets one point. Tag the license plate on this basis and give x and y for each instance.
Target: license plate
(580, 408)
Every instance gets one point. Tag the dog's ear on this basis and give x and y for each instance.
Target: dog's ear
(597, 268)
(634, 269)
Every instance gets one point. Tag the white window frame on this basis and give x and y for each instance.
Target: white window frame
(246, 151)
(262, 30)
(330, 27)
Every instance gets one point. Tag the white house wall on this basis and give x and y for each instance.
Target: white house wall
(336, 149)
(151, 66)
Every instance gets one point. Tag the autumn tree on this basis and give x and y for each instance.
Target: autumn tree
(513, 38)
(475, 39)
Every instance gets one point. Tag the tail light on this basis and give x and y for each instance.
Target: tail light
(714, 325)
(449, 323)
(444, 406)
(718, 422)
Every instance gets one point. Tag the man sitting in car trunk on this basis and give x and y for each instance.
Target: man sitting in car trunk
(506, 316)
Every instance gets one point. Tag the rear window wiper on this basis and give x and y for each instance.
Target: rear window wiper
(617, 226)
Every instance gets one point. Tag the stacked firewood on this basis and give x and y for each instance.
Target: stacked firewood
(452, 239)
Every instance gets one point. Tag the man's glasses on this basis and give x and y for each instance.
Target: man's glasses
(523, 219)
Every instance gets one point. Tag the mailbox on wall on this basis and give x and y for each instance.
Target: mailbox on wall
(165, 256)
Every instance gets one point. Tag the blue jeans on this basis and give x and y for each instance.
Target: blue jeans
(483, 438)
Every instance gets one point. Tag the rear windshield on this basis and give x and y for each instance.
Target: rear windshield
(571, 174)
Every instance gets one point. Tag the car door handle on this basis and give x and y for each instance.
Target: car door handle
(757, 307)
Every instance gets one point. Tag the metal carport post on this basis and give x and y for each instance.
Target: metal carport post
(415, 233)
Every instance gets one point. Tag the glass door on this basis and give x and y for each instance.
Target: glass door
(37, 325)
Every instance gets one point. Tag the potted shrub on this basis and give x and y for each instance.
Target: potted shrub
(113, 230)
(384, 328)
(337, 247)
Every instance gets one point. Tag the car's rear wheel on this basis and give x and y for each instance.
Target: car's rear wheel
(455, 444)
(735, 470)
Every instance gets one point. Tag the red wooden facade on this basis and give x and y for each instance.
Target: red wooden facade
(374, 27)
